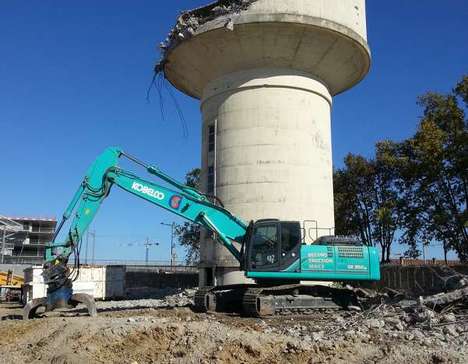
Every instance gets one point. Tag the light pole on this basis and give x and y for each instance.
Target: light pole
(147, 244)
(86, 247)
(172, 241)
(3, 243)
(93, 234)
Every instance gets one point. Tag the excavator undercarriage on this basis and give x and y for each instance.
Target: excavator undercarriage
(259, 301)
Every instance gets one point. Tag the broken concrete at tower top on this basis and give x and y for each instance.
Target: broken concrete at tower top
(190, 20)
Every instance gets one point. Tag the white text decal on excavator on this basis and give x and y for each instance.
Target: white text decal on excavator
(148, 191)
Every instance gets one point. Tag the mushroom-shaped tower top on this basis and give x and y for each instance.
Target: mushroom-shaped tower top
(326, 39)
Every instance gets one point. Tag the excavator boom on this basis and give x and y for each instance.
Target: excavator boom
(181, 200)
(101, 176)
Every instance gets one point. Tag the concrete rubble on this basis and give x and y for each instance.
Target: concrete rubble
(190, 20)
(394, 328)
(407, 319)
(424, 326)
(167, 298)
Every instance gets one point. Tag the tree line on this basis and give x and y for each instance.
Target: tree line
(412, 191)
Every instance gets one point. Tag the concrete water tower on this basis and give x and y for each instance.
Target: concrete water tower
(265, 72)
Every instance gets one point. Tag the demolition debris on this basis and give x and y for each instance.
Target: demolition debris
(167, 330)
(190, 21)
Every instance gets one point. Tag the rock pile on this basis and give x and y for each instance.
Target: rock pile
(167, 298)
(417, 324)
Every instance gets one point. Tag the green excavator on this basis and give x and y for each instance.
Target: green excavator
(269, 251)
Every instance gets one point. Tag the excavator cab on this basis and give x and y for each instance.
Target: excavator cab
(273, 245)
(276, 251)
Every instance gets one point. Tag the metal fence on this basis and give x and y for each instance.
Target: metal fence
(162, 268)
(14, 259)
(132, 262)
(417, 262)
(161, 265)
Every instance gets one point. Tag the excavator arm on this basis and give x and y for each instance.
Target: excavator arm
(102, 175)
(181, 200)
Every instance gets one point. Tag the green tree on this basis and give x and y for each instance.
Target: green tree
(367, 202)
(188, 234)
(433, 167)
(388, 201)
(353, 198)
(417, 186)
(192, 178)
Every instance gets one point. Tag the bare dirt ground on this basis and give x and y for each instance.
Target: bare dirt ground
(160, 331)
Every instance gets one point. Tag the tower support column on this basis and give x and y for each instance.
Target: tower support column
(266, 153)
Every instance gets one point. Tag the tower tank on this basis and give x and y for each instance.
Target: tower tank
(265, 72)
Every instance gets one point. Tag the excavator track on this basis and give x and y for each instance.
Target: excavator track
(220, 298)
(258, 301)
(252, 305)
(295, 299)
(205, 300)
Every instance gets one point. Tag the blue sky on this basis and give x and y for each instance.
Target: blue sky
(73, 80)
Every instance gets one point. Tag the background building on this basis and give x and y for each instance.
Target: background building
(27, 245)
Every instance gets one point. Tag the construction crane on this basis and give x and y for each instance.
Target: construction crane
(147, 244)
(269, 251)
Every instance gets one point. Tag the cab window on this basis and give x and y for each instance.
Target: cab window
(265, 245)
(290, 237)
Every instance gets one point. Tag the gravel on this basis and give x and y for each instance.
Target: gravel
(125, 333)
